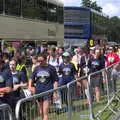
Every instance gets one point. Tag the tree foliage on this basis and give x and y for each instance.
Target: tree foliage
(96, 7)
(90, 4)
(86, 3)
(111, 25)
(113, 31)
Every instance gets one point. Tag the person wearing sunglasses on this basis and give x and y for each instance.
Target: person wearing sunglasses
(45, 78)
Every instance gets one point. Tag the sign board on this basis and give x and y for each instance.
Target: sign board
(76, 15)
(75, 42)
(51, 32)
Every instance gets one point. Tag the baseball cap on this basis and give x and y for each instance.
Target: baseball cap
(92, 48)
(66, 54)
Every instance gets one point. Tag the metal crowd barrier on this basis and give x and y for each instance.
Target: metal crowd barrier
(99, 91)
(76, 100)
(5, 112)
(79, 99)
(106, 83)
(109, 88)
(29, 108)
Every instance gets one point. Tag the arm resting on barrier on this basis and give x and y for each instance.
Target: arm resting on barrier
(5, 90)
(21, 85)
(16, 87)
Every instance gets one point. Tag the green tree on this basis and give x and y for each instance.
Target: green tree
(86, 3)
(113, 31)
(96, 7)
(90, 4)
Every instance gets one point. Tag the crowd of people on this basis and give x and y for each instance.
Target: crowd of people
(45, 68)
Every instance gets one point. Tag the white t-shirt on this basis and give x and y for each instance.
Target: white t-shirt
(54, 61)
(76, 58)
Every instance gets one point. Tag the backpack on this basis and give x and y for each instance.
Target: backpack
(24, 92)
(56, 58)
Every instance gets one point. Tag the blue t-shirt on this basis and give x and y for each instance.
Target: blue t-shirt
(67, 71)
(95, 65)
(44, 77)
(18, 77)
(6, 79)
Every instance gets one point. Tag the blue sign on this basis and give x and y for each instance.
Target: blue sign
(77, 23)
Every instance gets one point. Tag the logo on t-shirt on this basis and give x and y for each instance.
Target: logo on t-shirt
(66, 71)
(43, 76)
(1, 79)
(111, 59)
(95, 64)
(15, 80)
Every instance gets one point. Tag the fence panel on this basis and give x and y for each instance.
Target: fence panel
(98, 90)
(5, 112)
(29, 108)
(85, 98)
(79, 99)
(114, 71)
(111, 81)
(104, 86)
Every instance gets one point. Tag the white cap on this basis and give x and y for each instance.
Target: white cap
(92, 48)
(66, 54)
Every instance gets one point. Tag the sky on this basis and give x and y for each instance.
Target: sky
(110, 7)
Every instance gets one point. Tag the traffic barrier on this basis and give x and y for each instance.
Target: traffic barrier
(79, 99)
(29, 108)
(76, 99)
(5, 112)
(110, 89)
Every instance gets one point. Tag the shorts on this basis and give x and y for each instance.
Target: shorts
(96, 80)
(46, 97)
(63, 81)
(82, 73)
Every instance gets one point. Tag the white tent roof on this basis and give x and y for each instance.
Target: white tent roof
(57, 2)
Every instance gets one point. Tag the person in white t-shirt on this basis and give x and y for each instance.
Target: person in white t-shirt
(53, 59)
(77, 57)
